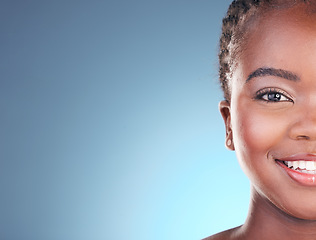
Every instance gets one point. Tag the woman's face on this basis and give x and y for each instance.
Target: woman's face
(271, 118)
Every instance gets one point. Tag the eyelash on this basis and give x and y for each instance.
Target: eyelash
(261, 93)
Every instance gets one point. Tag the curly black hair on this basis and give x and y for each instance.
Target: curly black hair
(234, 28)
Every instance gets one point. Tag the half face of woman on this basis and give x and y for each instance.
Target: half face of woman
(271, 118)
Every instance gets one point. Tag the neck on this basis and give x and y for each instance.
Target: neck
(266, 221)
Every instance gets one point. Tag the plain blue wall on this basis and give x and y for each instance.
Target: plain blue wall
(109, 122)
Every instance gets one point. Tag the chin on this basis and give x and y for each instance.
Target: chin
(300, 211)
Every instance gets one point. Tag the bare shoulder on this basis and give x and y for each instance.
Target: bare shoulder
(229, 234)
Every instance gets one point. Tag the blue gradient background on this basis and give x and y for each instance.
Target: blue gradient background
(109, 122)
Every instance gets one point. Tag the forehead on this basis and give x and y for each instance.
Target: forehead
(283, 38)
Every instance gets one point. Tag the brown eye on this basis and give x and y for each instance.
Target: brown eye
(273, 95)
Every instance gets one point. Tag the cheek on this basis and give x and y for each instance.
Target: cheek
(256, 133)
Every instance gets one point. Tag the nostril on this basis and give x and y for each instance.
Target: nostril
(302, 137)
(304, 129)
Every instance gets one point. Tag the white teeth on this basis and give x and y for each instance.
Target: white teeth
(310, 165)
(290, 164)
(301, 164)
(295, 165)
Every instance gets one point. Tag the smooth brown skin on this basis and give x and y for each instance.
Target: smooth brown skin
(263, 131)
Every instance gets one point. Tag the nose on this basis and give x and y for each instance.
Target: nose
(304, 128)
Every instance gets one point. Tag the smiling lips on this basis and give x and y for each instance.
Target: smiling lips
(300, 167)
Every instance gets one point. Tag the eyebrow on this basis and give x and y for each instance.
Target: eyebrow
(261, 72)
